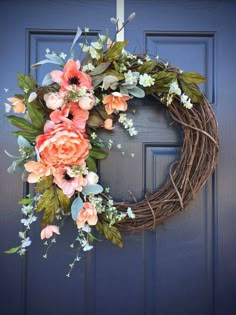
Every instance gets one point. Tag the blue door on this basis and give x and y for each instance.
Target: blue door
(187, 265)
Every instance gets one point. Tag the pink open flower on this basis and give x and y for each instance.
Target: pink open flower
(48, 231)
(78, 117)
(115, 101)
(87, 214)
(71, 76)
(37, 171)
(68, 184)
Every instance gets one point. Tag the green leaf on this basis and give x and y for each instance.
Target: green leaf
(25, 82)
(94, 120)
(21, 123)
(36, 114)
(192, 91)
(97, 153)
(91, 164)
(64, 201)
(12, 250)
(147, 66)
(97, 79)
(100, 68)
(164, 78)
(49, 204)
(191, 77)
(114, 52)
(44, 184)
(25, 201)
(116, 74)
(111, 233)
(30, 136)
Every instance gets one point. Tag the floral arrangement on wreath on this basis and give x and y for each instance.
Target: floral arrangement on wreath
(57, 125)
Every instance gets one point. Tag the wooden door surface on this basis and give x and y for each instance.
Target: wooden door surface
(187, 265)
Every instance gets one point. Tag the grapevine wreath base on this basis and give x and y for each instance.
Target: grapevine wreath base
(57, 123)
(187, 176)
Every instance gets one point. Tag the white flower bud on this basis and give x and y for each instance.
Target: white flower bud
(92, 178)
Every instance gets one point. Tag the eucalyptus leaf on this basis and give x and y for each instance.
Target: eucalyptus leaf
(43, 62)
(100, 68)
(11, 155)
(77, 36)
(22, 142)
(56, 59)
(137, 92)
(92, 189)
(16, 166)
(47, 80)
(123, 90)
(76, 207)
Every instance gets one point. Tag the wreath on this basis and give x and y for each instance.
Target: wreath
(58, 123)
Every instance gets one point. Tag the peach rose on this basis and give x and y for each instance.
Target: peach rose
(108, 124)
(53, 100)
(48, 231)
(116, 101)
(17, 105)
(87, 214)
(63, 146)
(37, 170)
(87, 102)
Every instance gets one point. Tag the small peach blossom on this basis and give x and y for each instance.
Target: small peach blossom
(87, 102)
(92, 178)
(17, 105)
(53, 100)
(116, 101)
(108, 124)
(87, 214)
(48, 231)
(37, 170)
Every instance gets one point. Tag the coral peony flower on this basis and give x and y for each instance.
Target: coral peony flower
(71, 76)
(37, 170)
(17, 105)
(92, 178)
(115, 101)
(48, 231)
(87, 214)
(53, 100)
(63, 146)
(67, 183)
(108, 124)
(87, 102)
(78, 117)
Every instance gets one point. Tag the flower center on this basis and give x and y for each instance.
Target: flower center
(67, 177)
(74, 80)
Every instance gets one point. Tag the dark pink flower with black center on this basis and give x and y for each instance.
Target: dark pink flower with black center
(71, 76)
